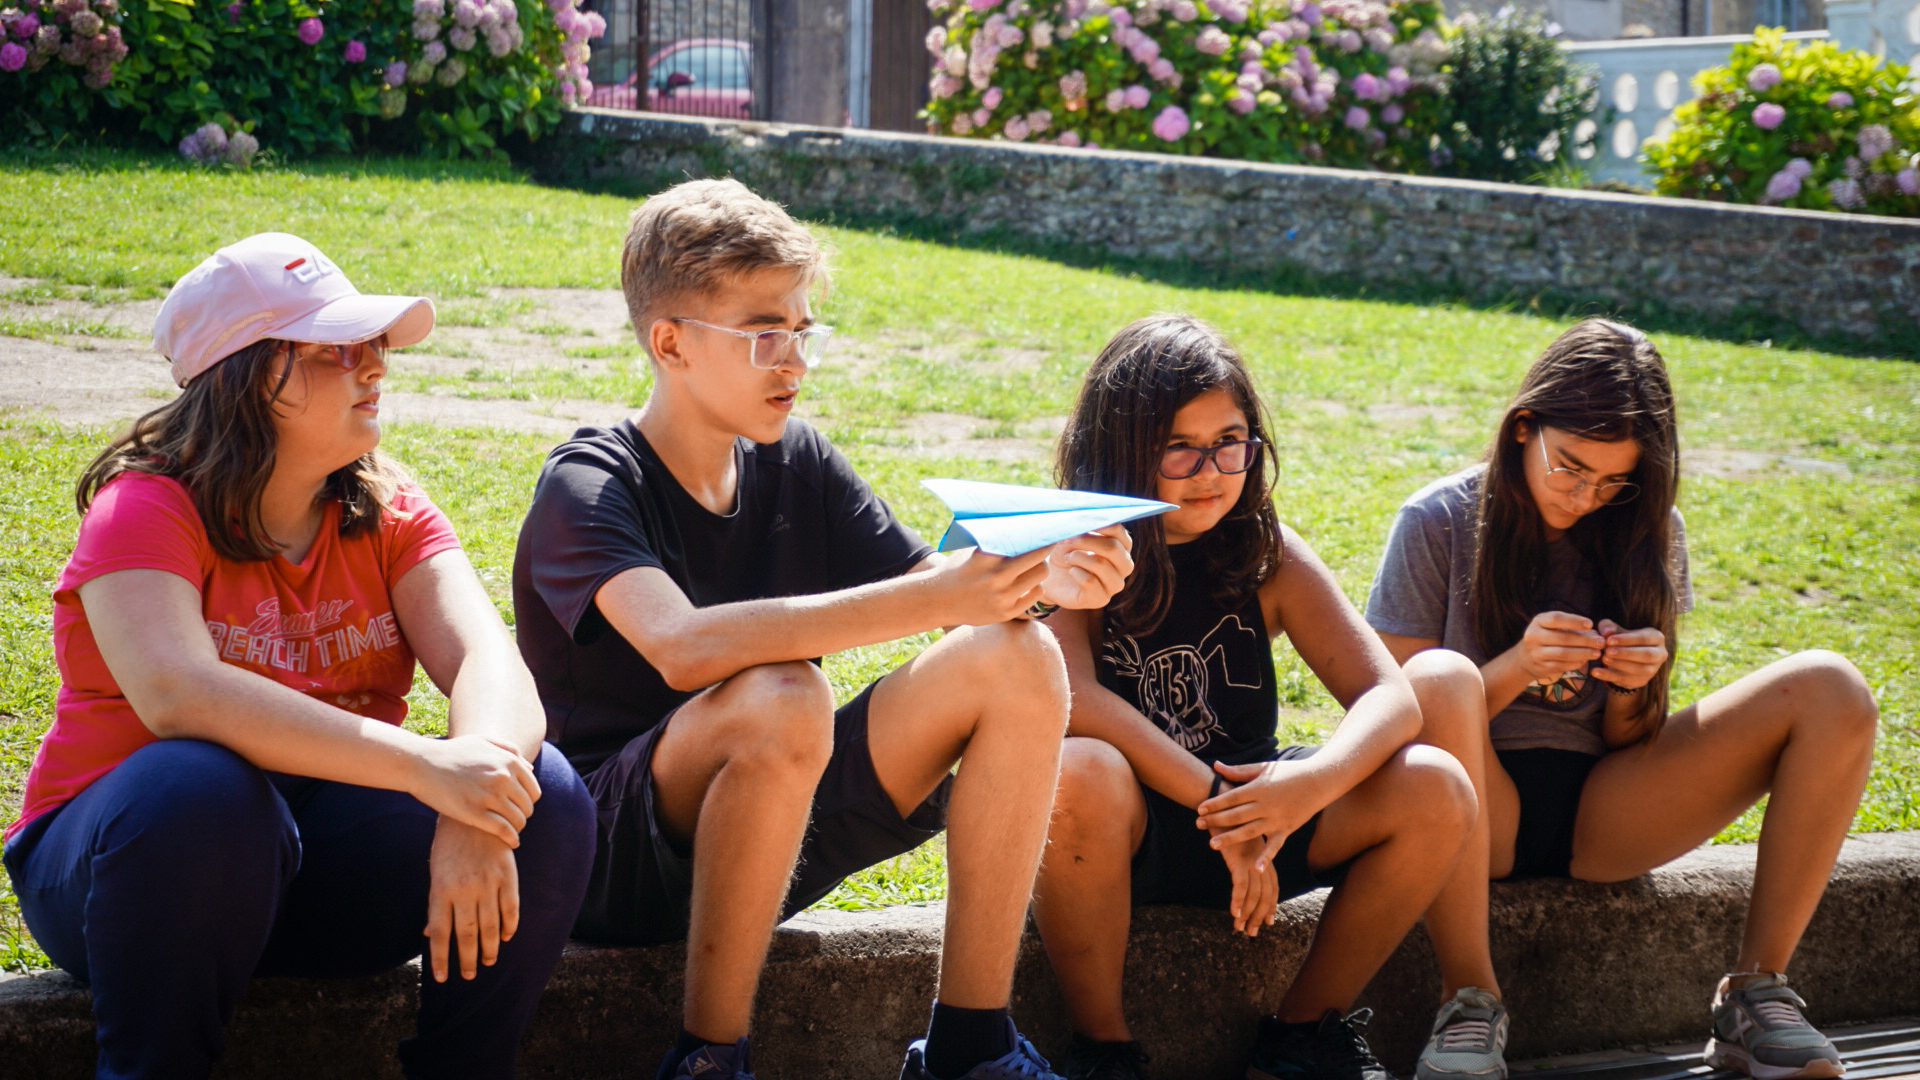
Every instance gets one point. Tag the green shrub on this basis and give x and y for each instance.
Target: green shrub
(1357, 83)
(1516, 97)
(310, 75)
(1806, 124)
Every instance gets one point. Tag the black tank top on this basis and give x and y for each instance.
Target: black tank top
(1205, 675)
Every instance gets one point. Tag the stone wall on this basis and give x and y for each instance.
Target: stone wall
(1745, 271)
(1584, 967)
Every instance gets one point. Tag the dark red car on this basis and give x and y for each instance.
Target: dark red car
(700, 76)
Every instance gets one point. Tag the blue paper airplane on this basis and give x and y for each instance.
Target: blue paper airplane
(1007, 519)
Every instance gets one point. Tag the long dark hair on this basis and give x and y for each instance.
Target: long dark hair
(1605, 381)
(1114, 441)
(218, 440)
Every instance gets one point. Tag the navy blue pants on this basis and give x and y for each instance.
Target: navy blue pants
(175, 878)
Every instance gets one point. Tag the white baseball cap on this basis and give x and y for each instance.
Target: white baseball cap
(275, 285)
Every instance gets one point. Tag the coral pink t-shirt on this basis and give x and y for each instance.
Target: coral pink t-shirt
(324, 627)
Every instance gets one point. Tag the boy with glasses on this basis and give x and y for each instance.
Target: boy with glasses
(674, 578)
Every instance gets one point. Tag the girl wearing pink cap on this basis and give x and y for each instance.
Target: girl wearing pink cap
(226, 789)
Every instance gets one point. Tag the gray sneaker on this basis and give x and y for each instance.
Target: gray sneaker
(1469, 1040)
(1758, 1030)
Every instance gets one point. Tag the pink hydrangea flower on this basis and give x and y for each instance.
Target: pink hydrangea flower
(461, 38)
(311, 30)
(1040, 120)
(1358, 118)
(1349, 41)
(1213, 41)
(499, 41)
(1799, 167)
(434, 53)
(1009, 35)
(1069, 138)
(1875, 140)
(1161, 70)
(1310, 14)
(1172, 124)
(1908, 181)
(1121, 16)
(1847, 194)
(1116, 100)
(1782, 186)
(1763, 78)
(1241, 101)
(356, 51)
(426, 30)
(12, 57)
(429, 9)
(1840, 100)
(962, 124)
(992, 98)
(945, 86)
(26, 26)
(1393, 114)
(1016, 129)
(1137, 96)
(396, 73)
(466, 13)
(983, 5)
(1185, 10)
(981, 116)
(1073, 85)
(1768, 115)
(1398, 81)
(937, 41)
(1366, 87)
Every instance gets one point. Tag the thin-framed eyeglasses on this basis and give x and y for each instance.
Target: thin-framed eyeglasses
(345, 357)
(1180, 462)
(1569, 481)
(771, 348)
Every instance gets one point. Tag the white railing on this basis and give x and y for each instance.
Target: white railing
(1645, 79)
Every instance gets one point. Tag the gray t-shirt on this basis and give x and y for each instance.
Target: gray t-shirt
(1423, 590)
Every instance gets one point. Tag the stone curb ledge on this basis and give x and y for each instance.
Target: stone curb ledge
(1586, 967)
(1837, 276)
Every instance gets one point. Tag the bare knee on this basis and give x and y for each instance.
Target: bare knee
(1834, 695)
(1434, 790)
(1096, 791)
(1016, 657)
(1452, 695)
(1094, 777)
(776, 716)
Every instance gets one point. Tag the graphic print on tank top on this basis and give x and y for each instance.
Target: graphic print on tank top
(1174, 685)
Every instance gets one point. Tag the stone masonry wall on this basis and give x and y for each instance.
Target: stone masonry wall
(1840, 277)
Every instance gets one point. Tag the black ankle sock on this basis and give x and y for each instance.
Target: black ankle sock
(958, 1039)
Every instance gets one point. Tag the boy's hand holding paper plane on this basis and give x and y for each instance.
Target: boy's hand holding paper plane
(1007, 519)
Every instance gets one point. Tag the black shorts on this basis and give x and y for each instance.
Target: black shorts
(643, 880)
(1550, 784)
(1175, 865)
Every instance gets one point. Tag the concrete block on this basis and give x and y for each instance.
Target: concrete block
(1586, 967)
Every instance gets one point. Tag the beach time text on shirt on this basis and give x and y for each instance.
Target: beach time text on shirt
(296, 641)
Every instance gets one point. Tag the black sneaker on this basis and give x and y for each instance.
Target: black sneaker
(1091, 1059)
(1329, 1050)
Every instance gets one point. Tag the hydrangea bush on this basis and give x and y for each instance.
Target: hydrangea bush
(82, 41)
(306, 75)
(1803, 124)
(1358, 83)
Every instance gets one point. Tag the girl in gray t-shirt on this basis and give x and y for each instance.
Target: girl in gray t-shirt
(1556, 571)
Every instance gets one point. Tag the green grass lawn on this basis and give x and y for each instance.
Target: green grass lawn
(1370, 400)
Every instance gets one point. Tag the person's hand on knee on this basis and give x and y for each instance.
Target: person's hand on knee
(474, 898)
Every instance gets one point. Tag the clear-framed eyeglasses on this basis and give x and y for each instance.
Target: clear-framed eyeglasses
(775, 348)
(1569, 481)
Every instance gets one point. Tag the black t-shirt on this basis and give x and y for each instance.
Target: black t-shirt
(1205, 675)
(803, 523)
